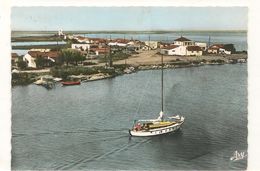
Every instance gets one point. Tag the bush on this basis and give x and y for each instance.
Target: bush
(21, 64)
(23, 78)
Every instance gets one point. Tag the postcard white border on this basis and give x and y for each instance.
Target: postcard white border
(253, 62)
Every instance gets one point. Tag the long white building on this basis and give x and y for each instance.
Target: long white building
(184, 47)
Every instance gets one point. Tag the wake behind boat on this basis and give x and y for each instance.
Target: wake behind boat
(159, 126)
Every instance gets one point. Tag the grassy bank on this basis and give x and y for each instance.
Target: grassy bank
(36, 39)
(59, 46)
(64, 72)
(24, 78)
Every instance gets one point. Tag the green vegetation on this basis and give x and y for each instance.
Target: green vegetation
(70, 56)
(36, 39)
(23, 78)
(230, 47)
(21, 64)
(53, 47)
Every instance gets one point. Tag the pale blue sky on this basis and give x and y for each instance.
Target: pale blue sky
(129, 18)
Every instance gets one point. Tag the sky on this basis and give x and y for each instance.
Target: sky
(128, 18)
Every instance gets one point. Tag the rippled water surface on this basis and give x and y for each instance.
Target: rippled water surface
(86, 126)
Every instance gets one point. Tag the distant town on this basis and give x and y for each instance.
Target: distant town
(83, 58)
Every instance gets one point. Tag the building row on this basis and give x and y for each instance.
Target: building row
(95, 47)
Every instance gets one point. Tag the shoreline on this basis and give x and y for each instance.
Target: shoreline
(28, 77)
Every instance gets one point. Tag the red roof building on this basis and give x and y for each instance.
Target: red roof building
(170, 47)
(182, 39)
(194, 48)
(51, 54)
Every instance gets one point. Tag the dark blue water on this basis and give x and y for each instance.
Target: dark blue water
(86, 126)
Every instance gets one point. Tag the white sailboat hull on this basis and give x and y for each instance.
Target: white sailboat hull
(158, 131)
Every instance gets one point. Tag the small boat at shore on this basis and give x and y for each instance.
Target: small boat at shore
(70, 83)
(46, 81)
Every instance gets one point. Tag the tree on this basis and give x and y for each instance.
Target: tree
(71, 56)
(40, 62)
(230, 47)
(78, 57)
(66, 56)
(21, 64)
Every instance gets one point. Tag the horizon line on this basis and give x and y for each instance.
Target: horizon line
(179, 30)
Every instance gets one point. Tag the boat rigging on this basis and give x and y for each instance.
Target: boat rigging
(159, 126)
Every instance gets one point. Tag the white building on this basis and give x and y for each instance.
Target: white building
(224, 51)
(40, 50)
(182, 41)
(174, 50)
(151, 44)
(60, 32)
(183, 47)
(30, 60)
(81, 39)
(81, 46)
(218, 48)
(203, 46)
(117, 44)
(31, 56)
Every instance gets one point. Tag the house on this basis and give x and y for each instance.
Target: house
(134, 45)
(100, 50)
(163, 44)
(152, 44)
(182, 47)
(214, 49)
(41, 50)
(222, 49)
(119, 42)
(53, 56)
(80, 46)
(144, 47)
(183, 41)
(194, 51)
(174, 50)
(98, 41)
(203, 46)
(81, 39)
(31, 57)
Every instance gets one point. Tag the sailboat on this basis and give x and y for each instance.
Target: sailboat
(160, 125)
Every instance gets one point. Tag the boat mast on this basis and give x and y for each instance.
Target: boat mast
(162, 81)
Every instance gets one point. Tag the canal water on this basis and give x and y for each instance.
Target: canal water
(86, 126)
